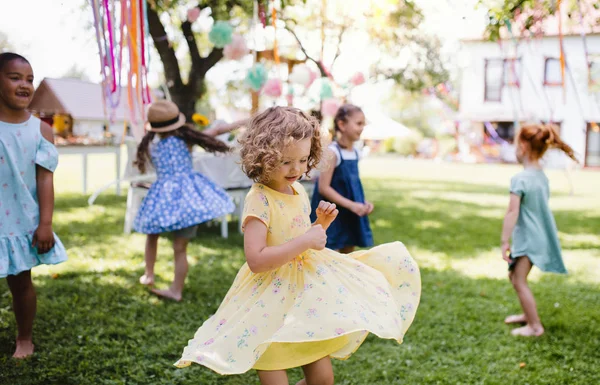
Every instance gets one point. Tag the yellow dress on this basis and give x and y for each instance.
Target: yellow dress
(321, 303)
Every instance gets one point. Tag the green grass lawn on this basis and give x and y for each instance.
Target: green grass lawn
(97, 325)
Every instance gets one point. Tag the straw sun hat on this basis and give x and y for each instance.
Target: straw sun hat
(164, 116)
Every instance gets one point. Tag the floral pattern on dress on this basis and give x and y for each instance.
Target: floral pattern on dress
(330, 299)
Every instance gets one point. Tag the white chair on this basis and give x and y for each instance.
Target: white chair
(138, 184)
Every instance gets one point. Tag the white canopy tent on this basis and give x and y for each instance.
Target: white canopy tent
(381, 127)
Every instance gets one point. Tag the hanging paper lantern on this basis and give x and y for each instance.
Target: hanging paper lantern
(256, 77)
(357, 79)
(193, 14)
(326, 91)
(329, 107)
(237, 49)
(273, 88)
(301, 75)
(221, 34)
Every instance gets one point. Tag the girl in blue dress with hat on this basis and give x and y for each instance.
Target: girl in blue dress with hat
(28, 159)
(340, 183)
(181, 198)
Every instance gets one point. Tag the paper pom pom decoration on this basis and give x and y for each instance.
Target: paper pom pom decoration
(302, 75)
(330, 107)
(357, 79)
(193, 14)
(256, 77)
(237, 49)
(273, 88)
(221, 34)
(326, 91)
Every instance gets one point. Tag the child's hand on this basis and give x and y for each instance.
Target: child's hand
(506, 251)
(326, 213)
(316, 237)
(370, 207)
(43, 239)
(359, 209)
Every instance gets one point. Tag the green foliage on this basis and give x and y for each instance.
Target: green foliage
(407, 145)
(530, 15)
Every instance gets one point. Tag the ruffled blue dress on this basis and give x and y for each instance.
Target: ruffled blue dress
(180, 197)
(22, 147)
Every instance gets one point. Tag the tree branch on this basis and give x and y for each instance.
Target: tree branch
(208, 62)
(317, 62)
(164, 48)
(190, 39)
(339, 44)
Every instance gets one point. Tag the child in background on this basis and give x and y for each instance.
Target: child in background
(340, 183)
(295, 303)
(530, 224)
(28, 159)
(181, 198)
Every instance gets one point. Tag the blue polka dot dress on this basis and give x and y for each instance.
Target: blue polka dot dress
(180, 197)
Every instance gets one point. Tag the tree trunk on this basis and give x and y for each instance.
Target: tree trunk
(185, 99)
(184, 95)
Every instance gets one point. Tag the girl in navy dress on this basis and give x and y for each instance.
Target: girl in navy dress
(339, 183)
(181, 198)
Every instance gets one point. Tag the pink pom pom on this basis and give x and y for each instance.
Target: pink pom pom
(237, 49)
(357, 79)
(193, 14)
(329, 107)
(273, 88)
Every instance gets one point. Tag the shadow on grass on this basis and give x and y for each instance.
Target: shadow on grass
(103, 328)
(458, 229)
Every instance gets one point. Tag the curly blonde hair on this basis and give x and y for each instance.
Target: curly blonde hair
(269, 133)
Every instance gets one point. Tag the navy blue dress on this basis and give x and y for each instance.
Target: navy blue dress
(348, 229)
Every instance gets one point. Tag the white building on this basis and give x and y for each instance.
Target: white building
(82, 102)
(521, 82)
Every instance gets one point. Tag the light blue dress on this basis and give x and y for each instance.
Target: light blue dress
(22, 147)
(535, 234)
(180, 197)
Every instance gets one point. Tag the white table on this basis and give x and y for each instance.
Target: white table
(84, 151)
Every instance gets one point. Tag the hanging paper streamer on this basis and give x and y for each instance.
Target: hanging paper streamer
(256, 77)
(262, 14)
(562, 50)
(129, 36)
(221, 34)
(273, 88)
(329, 107)
(274, 22)
(237, 49)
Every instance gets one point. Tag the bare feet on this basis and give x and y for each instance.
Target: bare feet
(515, 319)
(24, 349)
(301, 382)
(147, 280)
(168, 294)
(528, 331)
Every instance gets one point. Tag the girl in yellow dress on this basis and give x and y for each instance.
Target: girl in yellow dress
(295, 303)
